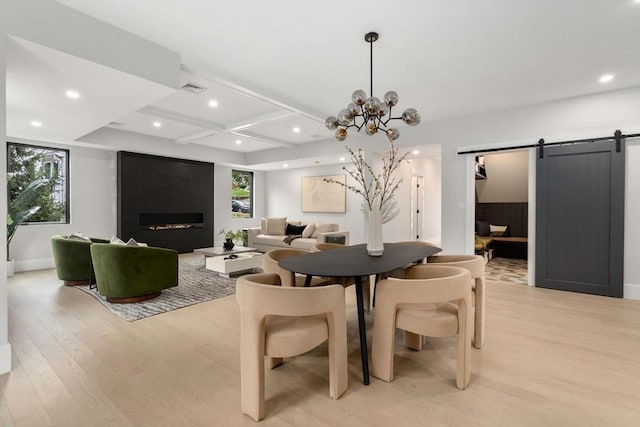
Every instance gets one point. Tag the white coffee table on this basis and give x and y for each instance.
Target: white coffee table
(219, 251)
(224, 266)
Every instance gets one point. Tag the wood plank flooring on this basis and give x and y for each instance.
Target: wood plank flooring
(551, 358)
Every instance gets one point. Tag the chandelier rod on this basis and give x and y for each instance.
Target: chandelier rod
(371, 40)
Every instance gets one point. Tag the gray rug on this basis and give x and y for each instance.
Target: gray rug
(195, 285)
(507, 270)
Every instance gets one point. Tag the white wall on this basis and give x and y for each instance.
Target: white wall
(506, 181)
(631, 223)
(94, 172)
(222, 202)
(5, 347)
(92, 179)
(431, 170)
(283, 198)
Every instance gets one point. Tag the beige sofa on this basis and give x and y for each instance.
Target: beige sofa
(273, 234)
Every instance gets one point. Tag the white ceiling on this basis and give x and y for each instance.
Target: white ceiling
(276, 65)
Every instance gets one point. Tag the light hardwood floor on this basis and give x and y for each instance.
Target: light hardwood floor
(550, 359)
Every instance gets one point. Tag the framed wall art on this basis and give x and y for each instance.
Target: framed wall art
(321, 196)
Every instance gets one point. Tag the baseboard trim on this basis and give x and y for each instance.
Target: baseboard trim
(631, 291)
(5, 358)
(34, 264)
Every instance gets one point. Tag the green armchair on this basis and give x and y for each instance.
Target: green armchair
(127, 274)
(73, 260)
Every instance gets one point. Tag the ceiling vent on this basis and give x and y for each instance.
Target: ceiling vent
(116, 124)
(193, 88)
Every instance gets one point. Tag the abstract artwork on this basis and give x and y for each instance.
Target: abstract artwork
(321, 196)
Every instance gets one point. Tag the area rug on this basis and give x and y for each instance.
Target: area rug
(195, 285)
(506, 270)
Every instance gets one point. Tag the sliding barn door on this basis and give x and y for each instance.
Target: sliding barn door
(580, 218)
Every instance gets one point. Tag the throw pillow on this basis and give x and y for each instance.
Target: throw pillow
(116, 241)
(79, 237)
(135, 244)
(294, 230)
(276, 226)
(263, 225)
(308, 230)
(483, 228)
(498, 230)
(324, 228)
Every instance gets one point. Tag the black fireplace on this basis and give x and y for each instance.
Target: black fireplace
(170, 221)
(165, 202)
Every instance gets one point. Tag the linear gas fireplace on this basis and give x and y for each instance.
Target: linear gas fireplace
(170, 221)
(165, 202)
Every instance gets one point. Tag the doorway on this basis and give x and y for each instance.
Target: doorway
(502, 214)
(417, 200)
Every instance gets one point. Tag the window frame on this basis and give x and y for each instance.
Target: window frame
(66, 185)
(251, 175)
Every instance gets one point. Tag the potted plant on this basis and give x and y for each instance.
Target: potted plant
(20, 209)
(230, 236)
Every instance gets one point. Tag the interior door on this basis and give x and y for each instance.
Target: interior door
(580, 218)
(417, 197)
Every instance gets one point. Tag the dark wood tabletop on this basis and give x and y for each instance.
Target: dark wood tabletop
(354, 261)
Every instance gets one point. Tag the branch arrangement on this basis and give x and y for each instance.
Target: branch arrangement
(377, 190)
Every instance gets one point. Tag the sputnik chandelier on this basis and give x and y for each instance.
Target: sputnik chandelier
(370, 113)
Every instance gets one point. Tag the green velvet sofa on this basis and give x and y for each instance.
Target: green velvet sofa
(127, 274)
(73, 260)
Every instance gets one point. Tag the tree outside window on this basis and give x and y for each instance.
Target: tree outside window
(241, 194)
(37, 176)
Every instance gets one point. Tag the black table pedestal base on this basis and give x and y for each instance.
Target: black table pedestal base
(363, 331)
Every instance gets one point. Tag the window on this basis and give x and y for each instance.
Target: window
(241, 194)
(38, 184)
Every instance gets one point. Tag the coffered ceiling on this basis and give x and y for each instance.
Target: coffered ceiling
(275, 69)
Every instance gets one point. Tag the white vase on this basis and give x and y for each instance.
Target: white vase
(375, 246)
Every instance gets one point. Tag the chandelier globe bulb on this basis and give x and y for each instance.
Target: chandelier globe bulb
(391, 98)
(331, 123)
(359, 97)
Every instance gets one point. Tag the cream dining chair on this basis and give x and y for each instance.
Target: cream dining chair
(288, 278)
(278, 322)
(475, 265)
(431, 301)
(347, 281)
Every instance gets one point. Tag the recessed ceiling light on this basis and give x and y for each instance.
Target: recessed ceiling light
(416, 152)
(606, 78)
(238, 141)
(285, 165)
(296, 130)
(157, 124)
(213, 103)
(342, 159)
(36, 123)
(72, 94)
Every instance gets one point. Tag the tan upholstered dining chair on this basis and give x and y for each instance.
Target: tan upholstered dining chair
(319, 247)
(475, 265)
(421, 305)
(288, 278)
(347, 281)
(278, 322)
